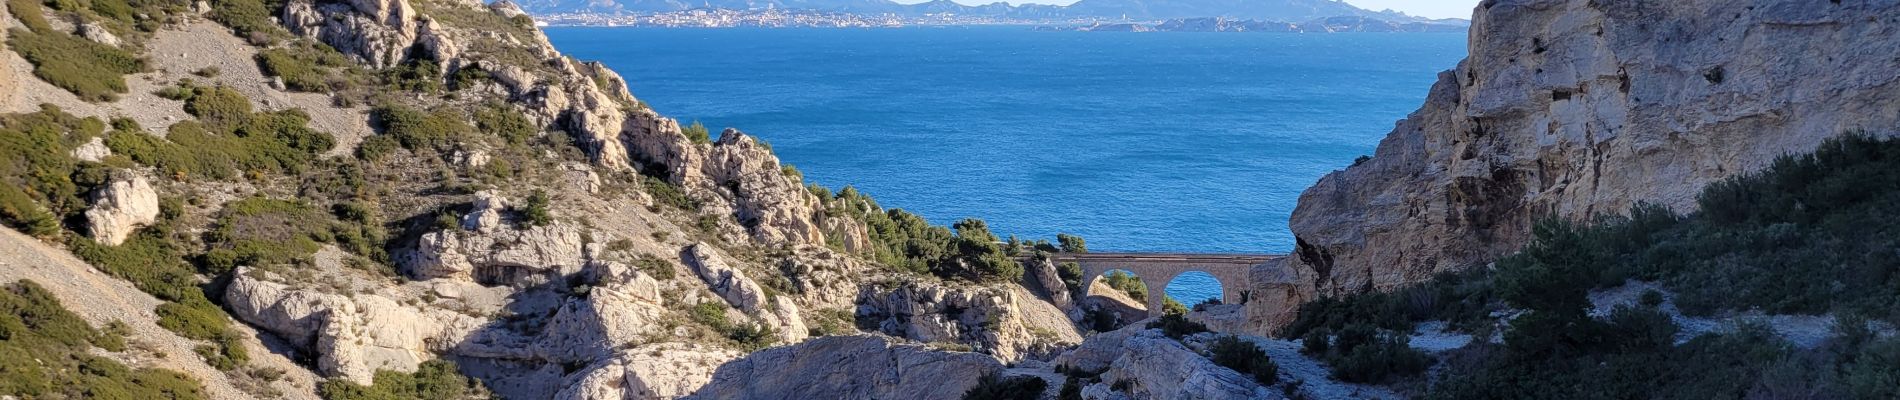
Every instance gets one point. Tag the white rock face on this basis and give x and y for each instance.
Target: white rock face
(849, 367)
(1156, 367)
(94, 150)
(774, 207)
(621, 305)
(990, 320)
(1579, 107)
(351, 336)
(1042, 272)
(744, 294)
(375, 32)
(663, 371)
(120, 208)
(489, 252)
(98, 33)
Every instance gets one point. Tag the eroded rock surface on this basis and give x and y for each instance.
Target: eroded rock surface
(1578, 107)
(120, 208)
(849, 367)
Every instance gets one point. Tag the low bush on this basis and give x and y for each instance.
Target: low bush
(536, 209)
(996, 387)
(92, 71)
(40, 183)
(1072, 243)
(1244, 357)
(228, 139)
(697, 133)
(45, 353)
(501, 120)
(1177, 326)
(417, 130)
(1127, 283)
(309, 66)
(434, 379)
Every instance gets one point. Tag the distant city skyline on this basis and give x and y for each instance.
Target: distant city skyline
(1421, 8)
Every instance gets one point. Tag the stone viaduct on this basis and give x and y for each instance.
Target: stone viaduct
(1158, 269)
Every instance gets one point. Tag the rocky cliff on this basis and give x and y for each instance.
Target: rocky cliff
(1574, 108)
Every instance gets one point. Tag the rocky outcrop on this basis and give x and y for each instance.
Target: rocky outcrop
(662, 371)
(121, 207)
(487, 252)
(378, 33)
(620, 305)
(94, 150)
(743, 293)
(849, 367)
(1575, 107)
(1153, 366)
(350, 336)
(97, 33)
(989, 320)
(774, 207)
(1042, 271)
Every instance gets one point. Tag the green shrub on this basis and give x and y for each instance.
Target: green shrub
(502, 120)
(30, 14)
(249, 18)
(1072, 243)
(1127, 283)
(654, 266)
(536, 210)
(1071, 274)
(417, 130)
(227, 141)
(434, 379)
(1177, 326)
(697, 133)
(92, 71)
(1244, 357)
(308, 66)
(996, 387)
(40, 183)
(415, 75)
(44, 353)
(1170, 306)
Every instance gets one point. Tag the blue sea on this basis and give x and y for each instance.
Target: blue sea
(1178, 142)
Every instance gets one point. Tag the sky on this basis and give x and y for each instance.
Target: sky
(1422, 8)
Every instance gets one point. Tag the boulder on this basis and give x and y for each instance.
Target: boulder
(661, 371)
(120, 207)
(98, 33)
(732, 285)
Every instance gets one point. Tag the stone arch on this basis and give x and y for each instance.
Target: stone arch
(1220, 292)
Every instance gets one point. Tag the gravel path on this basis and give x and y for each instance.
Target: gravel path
(1315, 378)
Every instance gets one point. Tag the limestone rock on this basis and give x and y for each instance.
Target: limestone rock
(93, 151)
(774, 207)
(495, 256)
(849, 367)
(1042, 271)
(506, 9)
(98, 33)
(350, 336)
(662, 371)
(990, 320)
(743, 293)
(620, 305)
(1161, 368)
(375, 32)
(120, 208)
(1575, 107)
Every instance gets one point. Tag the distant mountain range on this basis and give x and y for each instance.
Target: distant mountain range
(1139, 10)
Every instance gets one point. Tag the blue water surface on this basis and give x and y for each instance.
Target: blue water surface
(1186, 142)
